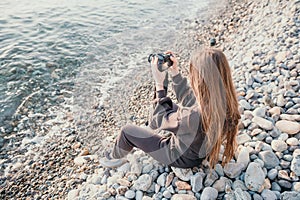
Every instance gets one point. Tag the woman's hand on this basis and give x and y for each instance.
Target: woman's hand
(174, 70)
(157, 75)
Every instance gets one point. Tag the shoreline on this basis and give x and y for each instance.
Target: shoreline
(266, 77)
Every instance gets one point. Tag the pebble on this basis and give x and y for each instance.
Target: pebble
(73, 194)
(183, 174)
(263, 123)
(221, 184)
(210, 178)
(241, 195)
(268, 194)
(244, 104)
(295, 165)
(197, 181)
(130, 194)
(290, 195)
(275, 187)
(143, 183)
(80, 161)
(278, 145)
(285, 184)
(275, 110)
(183, 197)
(139, 195)
(243, 157)
(239, 184)
(257, 197)
(209, 193)
(161, 180)
(167, 194)
(288, 127)
(181, 185)
(243, 138)
(254, 177)
(269, 158)
(259, 112)
(296, 186)
(272, 174)
(233, 170)
(292, 141)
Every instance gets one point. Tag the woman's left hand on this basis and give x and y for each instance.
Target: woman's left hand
(158, 76)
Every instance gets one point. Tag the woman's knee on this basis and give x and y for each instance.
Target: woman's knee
(126, 129)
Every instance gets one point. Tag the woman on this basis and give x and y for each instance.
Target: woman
(206, 117)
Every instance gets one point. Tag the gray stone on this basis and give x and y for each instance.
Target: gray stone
(143, 182)
(278, 145)
(243, 157)
(269, 158)
(130, 194)
(295, 165)
(197, 181)
(243, 138)
(257, 197)
(272, 174)
(263, 123)
(283, 136)
(147, 168)
(210, 178)
(209, 193)
(296, 187)
(276, 187)
(161, 180)
(167, 194)
(239, 184)
(139, 195)
(221, 183)
(219, 169)
(288, 127)
(290, 195)
(241, 195)
(136, 168)
(244, 104)
(285, 184)
(183, 174)
(254, 177)
(233, 170)
(259, 112)
(268, 194)
(96, 179)
(183, 197)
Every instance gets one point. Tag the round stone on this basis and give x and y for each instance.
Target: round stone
(130, 194)
(278, 145)
(292, 141)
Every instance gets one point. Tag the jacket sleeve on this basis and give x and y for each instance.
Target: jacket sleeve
(159, 118)
(183, 91)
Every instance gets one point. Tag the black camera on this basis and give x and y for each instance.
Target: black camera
(164, 61)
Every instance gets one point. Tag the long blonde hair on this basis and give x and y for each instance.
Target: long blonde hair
(211, 81)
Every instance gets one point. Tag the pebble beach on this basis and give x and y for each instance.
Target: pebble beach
(261, 42)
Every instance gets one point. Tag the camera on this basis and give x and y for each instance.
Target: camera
(164, 61)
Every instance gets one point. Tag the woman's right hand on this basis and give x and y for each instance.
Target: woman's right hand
(174, 70)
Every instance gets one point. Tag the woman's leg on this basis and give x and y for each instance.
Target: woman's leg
(144, 139)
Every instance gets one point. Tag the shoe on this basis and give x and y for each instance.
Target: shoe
(110, 162)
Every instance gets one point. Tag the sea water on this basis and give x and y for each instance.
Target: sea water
(45, 46)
